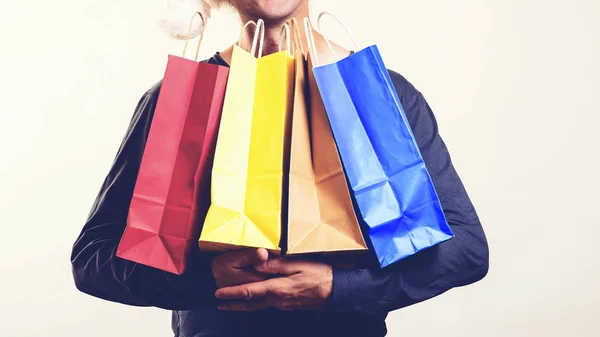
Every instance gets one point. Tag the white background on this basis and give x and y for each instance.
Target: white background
(514, 85)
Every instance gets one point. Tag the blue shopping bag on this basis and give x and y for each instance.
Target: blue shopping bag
(396, 199)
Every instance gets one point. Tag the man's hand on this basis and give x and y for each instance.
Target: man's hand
(301, 285)
(235, 268)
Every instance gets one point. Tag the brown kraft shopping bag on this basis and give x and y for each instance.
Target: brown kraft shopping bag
(321, 217)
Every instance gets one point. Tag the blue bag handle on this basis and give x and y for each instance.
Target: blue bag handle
(325, 36)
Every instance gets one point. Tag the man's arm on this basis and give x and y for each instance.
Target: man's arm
(308, 285)
(96, 269)
(457, 262)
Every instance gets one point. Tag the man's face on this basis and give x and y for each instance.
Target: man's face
(266, 9)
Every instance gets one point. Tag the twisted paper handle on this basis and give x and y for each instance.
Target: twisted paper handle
(285, 28)
(310, 39)
(259, 24)
(189, 33)
(297, 38)
(325, 37)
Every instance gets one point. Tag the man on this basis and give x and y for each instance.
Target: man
(248, 293)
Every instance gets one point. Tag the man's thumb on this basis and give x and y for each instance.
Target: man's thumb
(250, 257)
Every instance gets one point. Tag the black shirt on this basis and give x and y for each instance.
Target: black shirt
(361, 297)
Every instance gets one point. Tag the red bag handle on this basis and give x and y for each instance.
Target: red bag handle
(190, 33)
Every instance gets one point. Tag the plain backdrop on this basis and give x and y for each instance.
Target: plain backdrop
(513, 83)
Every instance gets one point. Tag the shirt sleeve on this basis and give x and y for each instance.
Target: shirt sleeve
(96, 269)
(456, 262)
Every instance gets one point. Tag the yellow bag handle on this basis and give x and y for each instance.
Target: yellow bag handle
(259, 24)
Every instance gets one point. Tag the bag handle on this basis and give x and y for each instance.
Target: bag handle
(259, 24)
(297, 37)
(310, 39)
(189, 33)
(325, 37)
(285, 28)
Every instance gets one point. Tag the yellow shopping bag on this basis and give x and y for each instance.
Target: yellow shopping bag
(252, 154)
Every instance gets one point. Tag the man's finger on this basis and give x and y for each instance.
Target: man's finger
(245, 305)
(248, 291)
(250, 276)
(279, 265)
(248, 257)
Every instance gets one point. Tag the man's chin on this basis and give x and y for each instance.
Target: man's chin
(274, 11)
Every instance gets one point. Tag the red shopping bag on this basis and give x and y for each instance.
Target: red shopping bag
(172, 192)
